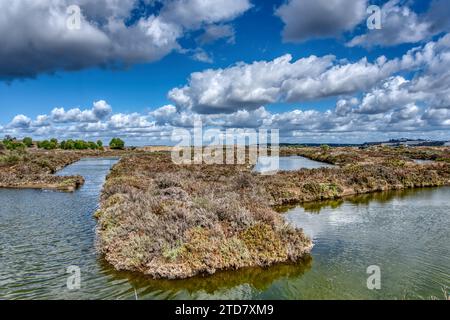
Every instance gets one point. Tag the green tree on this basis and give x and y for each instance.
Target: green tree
(47, 145)
(116, 143)
(62, 145)
(28, 142)
(80, 145)
(92, 145)
(325, 147)
(15, 145)
(8, 138)
(69, 145)
(99, 144)
(52, 145)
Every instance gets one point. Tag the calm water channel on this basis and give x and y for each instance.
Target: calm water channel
(405, 233)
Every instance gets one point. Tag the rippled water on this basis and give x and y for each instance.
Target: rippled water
(406, 234)
(289, 163)
(44, 232)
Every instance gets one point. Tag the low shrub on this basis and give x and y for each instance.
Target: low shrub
(10, 159)
(196, 219)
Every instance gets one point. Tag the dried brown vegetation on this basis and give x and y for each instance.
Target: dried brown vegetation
(172, 221)
(372, 155)
(35, 169)
(373, 169)
(176, 221)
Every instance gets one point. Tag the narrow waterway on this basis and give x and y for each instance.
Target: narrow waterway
(287, 163)
(42, 233)
(406, 234)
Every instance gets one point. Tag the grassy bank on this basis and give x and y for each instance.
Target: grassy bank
(176, 221)
(323, 184)
(35, 169)
(372, 155)
(361, 171)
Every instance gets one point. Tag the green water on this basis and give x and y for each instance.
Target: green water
(405, 233)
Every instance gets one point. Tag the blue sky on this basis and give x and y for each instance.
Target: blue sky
(99, 63)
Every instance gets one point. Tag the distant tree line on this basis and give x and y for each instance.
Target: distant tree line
(11, 143)
(70, 144)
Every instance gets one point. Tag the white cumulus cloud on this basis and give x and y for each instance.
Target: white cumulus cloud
(35, 38)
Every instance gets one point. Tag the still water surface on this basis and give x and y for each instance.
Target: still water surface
(289, 163)
(405, 233)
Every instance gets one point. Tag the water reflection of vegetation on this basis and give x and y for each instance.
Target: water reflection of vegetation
(312, 207)
(382, 197)
(362, 199)
(257, 277)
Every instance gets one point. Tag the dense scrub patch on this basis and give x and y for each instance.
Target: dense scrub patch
(177, 221)
(325, 183)
(172, 221)
(35, 168)
(371, 155)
